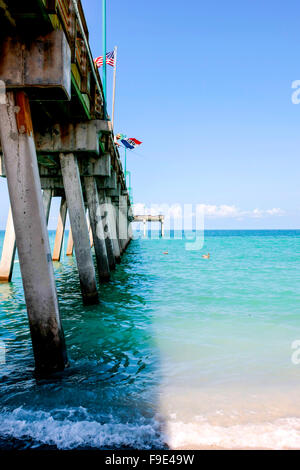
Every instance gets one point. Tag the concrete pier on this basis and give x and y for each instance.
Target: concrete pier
(97, 227)
(47, 198)
(151, 218)
(122, 223)
(90, 229)
(107, 230)
(60, 231)
(9, 245)
(45, 53)
(130, 220)
(116, 221)
(80, 233)
(70, 245)
(29, 220)
(113, 231)
(8, 251)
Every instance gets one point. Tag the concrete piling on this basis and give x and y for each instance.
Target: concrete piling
(106, 228)
(8, 251)
(74, 196)
(162, 228)
(60, 231)
(70, 245)
(89, 225)
(32, 240)
(112, 223)
(9, 245)
(47, 198)
(115, 220)
(130, 219)
(97, 227)
(123, 221)
(90, 229)
(72, 140)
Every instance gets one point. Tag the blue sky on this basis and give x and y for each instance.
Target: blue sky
(206, 85)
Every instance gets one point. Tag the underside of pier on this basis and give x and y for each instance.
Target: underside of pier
(56, 142)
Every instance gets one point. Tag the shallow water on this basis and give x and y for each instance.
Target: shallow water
(181, 352)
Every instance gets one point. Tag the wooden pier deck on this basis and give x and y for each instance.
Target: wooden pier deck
(56, 141)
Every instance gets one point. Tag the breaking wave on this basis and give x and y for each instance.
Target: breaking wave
(75, 428)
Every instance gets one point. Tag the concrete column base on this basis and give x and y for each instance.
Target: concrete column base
(32, 240)
(80, 233)
(97, 227)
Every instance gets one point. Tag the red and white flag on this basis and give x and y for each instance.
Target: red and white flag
(110, 59)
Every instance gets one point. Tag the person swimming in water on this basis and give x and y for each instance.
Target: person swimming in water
(206, 256)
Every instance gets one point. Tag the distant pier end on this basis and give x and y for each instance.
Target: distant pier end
(151, 218)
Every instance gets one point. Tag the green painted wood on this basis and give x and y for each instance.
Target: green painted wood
(79, 94)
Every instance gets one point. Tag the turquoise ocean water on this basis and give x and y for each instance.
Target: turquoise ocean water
(182, 352)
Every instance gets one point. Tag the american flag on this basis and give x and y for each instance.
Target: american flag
(110, 59)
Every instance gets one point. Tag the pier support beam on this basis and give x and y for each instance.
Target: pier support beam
(29, 220)
(122, 221)
(70, 246)
(112, 222)
(107, 232)
(73, 191)
(9, 245)
(89, 225)
(115, 221)
(130, 219)
(8, 251)
(97, 227)
(90, 229)
(130, 235)
(47, 198)
(162, 228)
(60, 230)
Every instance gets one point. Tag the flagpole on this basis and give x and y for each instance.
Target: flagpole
(104, 54)
(114, 86)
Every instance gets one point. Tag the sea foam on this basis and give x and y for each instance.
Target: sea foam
(68, 432)
(278, 435)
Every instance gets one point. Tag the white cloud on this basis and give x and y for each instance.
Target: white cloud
(275, 211)
(220, 211)
(259, 213)
(213, 211)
